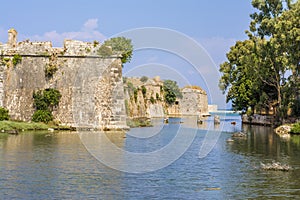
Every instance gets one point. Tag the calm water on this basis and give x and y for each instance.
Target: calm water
(58, 166)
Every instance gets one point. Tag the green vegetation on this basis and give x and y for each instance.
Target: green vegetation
(171, 91)
(12, 125)
(16, 59)
(144, 79)
(3, 114)
(44, 102)
(50, 70)
(42, 116)
(138, 122)
(152, 100)
(135, 94)
(144, 91)
(157, 97)
(262, 72)
(296, 128)
(117, 45)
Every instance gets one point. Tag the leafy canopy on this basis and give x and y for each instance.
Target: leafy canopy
(117, 45)
(171, 91)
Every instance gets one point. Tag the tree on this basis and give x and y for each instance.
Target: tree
(117, 45)
(171, 91)
(256, 73)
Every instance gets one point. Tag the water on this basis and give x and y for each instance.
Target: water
(44, 165)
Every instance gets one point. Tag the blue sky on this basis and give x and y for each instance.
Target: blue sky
(214, 25)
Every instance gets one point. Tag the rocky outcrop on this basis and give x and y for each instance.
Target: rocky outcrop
(283, 131)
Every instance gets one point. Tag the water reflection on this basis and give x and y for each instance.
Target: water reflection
(57, 166)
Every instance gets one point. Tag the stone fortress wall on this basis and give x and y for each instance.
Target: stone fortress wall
(194, 100)
(91, 86)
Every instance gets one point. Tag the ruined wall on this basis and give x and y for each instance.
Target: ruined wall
(193, 102)
(91, 86)
(150, 105)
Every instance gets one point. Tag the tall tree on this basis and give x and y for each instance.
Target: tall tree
(257, 70)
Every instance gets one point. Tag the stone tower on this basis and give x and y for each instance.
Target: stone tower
(12, 37)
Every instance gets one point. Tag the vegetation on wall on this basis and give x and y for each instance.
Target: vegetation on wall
(44, 103)
(144, 79)
(262, 72)
(16, 59)
(3, 114)
(50, 70)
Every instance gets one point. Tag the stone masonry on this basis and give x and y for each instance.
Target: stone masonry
(91, 86)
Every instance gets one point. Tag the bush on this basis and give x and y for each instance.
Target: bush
(152, 100)
(16, 59)
(44, 101)
(144, 79)
(144, 91)
(3, 114)
(42, 116)
(296, 128)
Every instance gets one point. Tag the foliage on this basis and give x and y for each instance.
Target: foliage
(157, 97)
(3, 114)
(13, 125)
(105, 51)
(144, 91)
(42, 116)
(135, 94)
(144, 79)
(44, 102)
(46, 99)
(118, 45)
(256, 73)
(138, 122)
(152, 100)
(171, 91)
(16, 59)
(50, 70)
(296, 128)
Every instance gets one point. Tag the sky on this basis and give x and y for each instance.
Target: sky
(190, 38)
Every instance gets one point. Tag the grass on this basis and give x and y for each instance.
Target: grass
(27, 126)
(138, 122)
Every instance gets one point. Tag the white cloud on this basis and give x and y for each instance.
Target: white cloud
(90, 24)
(88, 32)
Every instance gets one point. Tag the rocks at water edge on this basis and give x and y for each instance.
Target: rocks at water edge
(239, 135)
(217, 119)
(283, 131)
(275, 166)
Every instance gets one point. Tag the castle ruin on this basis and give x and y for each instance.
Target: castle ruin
(91, 86)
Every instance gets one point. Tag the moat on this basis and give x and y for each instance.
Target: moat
(43, 165)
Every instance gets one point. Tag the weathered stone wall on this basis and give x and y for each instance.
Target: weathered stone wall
(91, 86)
(194, 101)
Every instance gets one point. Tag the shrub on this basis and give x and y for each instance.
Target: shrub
(3, 114)
(42, 116)
(152, 100)
(144, 91)
(16, 59)
(50, 70)
(296, 128)
(44, 101)
(144, 79)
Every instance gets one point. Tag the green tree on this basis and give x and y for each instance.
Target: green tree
(171, 91)
(117, 45)
(256, 73)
